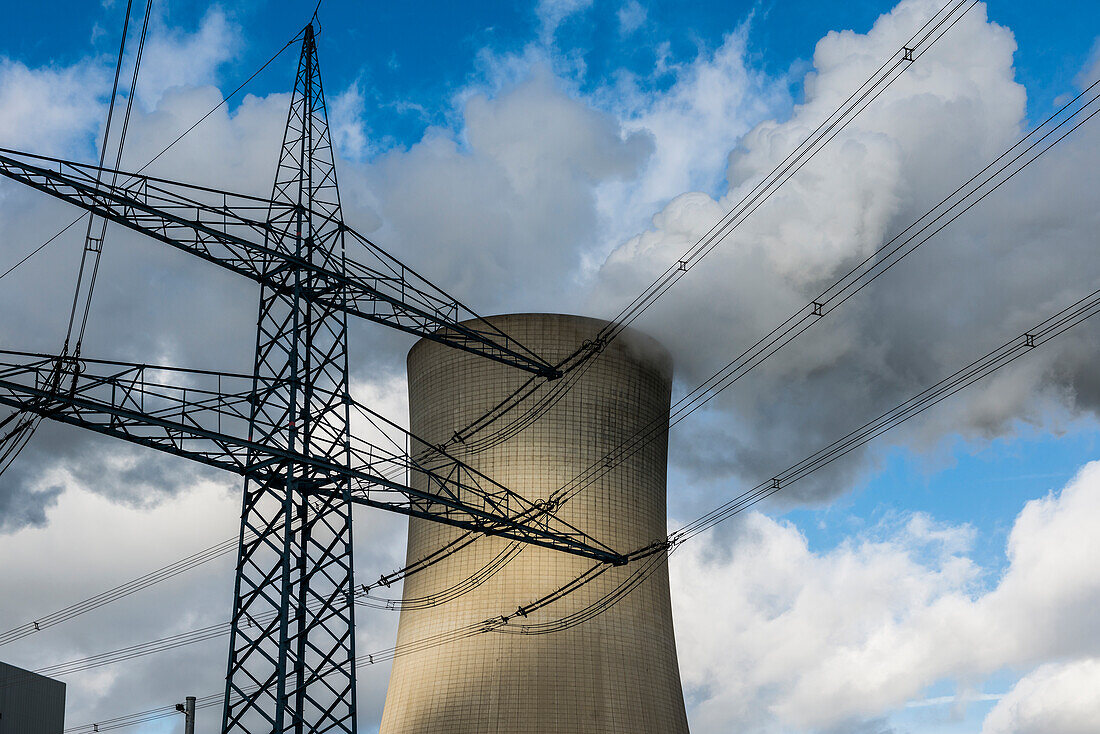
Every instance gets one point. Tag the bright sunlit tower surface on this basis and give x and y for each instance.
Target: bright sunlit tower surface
(615, 673)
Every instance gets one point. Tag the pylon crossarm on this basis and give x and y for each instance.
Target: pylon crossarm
(499, 510)
(204, 416)
(248, 235)
(447, 475)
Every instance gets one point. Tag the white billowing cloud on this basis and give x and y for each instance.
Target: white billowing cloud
(50, 110)
(986, 279)
(504, 215)
(93, 544)
(632, 15)
(345, 118)
(840, 206)
(1056, 698)
(551, 14)
(714, 100)
(774, 636)
(694, 112)
(214, 42)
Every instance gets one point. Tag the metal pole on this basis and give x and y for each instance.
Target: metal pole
(188, 709)
(189, 715)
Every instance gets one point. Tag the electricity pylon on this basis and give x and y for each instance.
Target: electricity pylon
(285, 428)
(294, 562)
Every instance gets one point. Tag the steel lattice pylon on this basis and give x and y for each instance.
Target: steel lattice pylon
(285, 427)
(296, 672)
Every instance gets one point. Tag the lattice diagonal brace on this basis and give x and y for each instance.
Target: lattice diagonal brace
(228, 229)
(206, 416)
(295, 557)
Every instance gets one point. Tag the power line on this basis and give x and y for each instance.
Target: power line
(41, 247)
(95, 245)
(903, 59)
(118, 592)
(1003, 168)
(977, 370)
(225, 100)
(581, 359)
(15, 440)
(894, 66)
(1028, 149)
(166, 148)
(654, 555)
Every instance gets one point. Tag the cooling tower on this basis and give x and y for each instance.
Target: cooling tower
(615, 673)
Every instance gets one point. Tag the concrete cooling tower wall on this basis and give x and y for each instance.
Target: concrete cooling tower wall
(614, 674)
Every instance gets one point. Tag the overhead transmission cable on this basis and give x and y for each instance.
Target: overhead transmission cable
(979, 369)
(655, 554)
(903, 59)
(14, 438)
(118, 592)
(1016, 158)
(167, 147)
(1028, 149)
(896, 65)
(13, 442)
(93, 245)
(41, 247)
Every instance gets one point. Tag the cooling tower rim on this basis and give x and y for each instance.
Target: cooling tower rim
(633, 339)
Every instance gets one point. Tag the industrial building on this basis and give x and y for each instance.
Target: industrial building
(617, 672)
(30, 703)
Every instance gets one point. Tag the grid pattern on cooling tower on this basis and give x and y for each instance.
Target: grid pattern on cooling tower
(614, 674)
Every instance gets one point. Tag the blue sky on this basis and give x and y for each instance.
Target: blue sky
(386, 46)
(423, 96)
(982, 484)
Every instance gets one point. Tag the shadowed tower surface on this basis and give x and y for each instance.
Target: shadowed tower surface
(614, 674)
